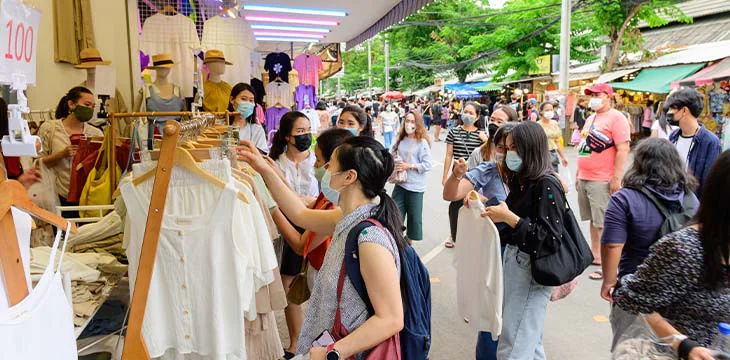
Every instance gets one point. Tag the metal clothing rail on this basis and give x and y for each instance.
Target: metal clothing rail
(134, 345)
(113, 128)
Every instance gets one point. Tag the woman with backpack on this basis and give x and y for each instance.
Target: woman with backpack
(634, 220)
(355, 177)
(534, 214)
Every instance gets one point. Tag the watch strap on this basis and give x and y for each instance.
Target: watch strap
(330, 347)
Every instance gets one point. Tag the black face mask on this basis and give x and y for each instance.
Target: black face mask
(492, 129)
(671, 120)
(303, 142)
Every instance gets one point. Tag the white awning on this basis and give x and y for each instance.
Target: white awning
(611, 76)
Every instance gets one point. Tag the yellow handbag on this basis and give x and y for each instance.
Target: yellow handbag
(98, 188)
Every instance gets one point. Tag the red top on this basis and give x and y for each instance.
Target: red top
(316, 257)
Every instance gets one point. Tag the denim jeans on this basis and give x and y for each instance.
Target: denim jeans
(486, 347)
(388, 137)
(525, 305)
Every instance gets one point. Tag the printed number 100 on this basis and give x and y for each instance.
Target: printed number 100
(23, 46)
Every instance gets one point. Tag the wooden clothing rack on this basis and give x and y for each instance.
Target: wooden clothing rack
(134, 344)
(12, 193)
(116, 116)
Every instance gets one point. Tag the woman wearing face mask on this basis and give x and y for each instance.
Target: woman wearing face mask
(290, 149)
(388, 122)
(529, 224)
(501, 116)
(241, 105)
(460, 143)
(413, 146)
(554, 134)
(72, 112)
(354, 119)
(356, 175)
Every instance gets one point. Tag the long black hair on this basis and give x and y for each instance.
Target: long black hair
(373, 164)
(279, 143)
(657, 163)
(239, 88)
(62, 110)
(366, 123)
(532, 147)
(712, 218)
(330, 139)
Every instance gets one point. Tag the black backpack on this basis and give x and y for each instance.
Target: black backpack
(415, 283)
(673, 221)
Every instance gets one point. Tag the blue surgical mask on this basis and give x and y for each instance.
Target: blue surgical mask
(331, 194)
(319, 173)
(354, 131)
(245, 108)
(514, 161)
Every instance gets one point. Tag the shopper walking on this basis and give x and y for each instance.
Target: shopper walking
(686, 278)
(291, 151)
(388, 124)
(529, 223)
(600, 167)
(554, 134)
(579, 114)
(633, 221)
(436, 111)
(354, 119)
(460, 143)
(413, 147)
(426, 111)
(697, 146)
(356, 175)
(73, 112)
(661, 127)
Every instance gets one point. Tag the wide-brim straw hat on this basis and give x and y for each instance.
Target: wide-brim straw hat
(91, 58)
(161, 61)
(215, 56)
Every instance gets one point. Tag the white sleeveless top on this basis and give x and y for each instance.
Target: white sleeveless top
(41, 325)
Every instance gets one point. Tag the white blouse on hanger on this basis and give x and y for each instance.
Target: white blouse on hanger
(279, 92)
(23, 225)
(235, 38)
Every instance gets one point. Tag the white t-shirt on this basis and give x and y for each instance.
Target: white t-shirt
(660, 130)
(389, 120)
(683, 145)
(300, 176)
(478, 262)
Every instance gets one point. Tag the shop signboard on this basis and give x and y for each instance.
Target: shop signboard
(19, 27)
(543, 64)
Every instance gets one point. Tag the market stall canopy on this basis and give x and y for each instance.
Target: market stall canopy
(490, 87)
(466, 94)
(465, 86)
(707, 76)
(613, 75)
(657, 80)
(393, 95)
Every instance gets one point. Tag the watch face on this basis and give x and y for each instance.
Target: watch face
(333, 355)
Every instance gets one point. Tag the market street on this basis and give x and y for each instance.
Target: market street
(576, 327)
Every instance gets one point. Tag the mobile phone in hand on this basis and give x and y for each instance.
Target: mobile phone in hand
(324, 339)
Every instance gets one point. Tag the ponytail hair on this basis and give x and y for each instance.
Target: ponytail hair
(373, 164)
(279, 143)
(62, 110)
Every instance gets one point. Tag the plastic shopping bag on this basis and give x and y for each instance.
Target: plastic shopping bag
(567, 177)
(43, 193)
(639, 341)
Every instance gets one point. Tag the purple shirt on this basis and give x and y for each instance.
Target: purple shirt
(631, 219)
(273, 117)
(305, 95)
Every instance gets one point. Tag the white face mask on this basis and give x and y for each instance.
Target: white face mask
(595, 103)
(549, 114)
(410, 128)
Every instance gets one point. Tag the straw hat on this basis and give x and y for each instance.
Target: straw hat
(90, 58)
(215, 56)
(161, 61)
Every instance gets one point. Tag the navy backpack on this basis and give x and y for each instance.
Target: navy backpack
(415, 338)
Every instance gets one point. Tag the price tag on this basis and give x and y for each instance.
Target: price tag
(19, 27)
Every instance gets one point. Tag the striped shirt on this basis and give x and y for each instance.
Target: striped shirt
(464, 142)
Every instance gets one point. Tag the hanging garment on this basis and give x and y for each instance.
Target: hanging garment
(278, 65)
(73, 29)
(305, 95)
(23, 224)
(478, 262)
(313, 118)
(262, 338)
(235, 38)
(308, 66)
(273, 117)
(176, 35)
(216, 96)
(279, 92)
(41, 325)
(156, 103)
(258, 87)
(256, 69)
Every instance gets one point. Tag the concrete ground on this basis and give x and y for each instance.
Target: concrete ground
(576, 327)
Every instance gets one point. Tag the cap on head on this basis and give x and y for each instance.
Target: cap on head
(600, 89)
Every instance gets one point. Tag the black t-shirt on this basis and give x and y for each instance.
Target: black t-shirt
(436, 111)
(278, 65)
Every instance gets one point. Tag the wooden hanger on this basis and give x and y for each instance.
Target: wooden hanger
(14, 194)
(185, 159)
(169, 9)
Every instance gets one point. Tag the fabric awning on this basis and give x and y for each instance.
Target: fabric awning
(658, 80)
(613, 75)
(707, 76)
(490, 87)
(466, 94)
(402, 10)
(465, 86)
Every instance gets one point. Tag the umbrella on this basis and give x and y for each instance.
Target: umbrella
(392, 95)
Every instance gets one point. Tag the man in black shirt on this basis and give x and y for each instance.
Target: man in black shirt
(579, 114)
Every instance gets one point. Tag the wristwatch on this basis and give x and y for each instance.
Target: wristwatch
(332, 353)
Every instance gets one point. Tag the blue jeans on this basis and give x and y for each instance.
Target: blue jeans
(525, 304)
(388, 137)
